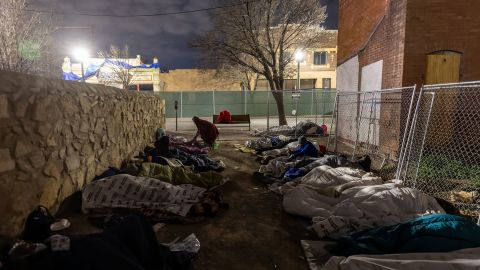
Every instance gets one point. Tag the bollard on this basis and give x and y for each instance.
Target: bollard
(176, 115)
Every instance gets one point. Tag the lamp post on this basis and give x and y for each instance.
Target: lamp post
(81, 54)
(299, 58)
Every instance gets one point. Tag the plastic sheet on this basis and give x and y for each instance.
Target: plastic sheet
(189, 244)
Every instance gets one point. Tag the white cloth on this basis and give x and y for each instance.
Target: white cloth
(332, 181)
(361, 203)
(127, 191)
(459, 260)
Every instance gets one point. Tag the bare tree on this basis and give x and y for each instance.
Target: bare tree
(244, 76)
(24, 37)
(116, 70)
(261, 35)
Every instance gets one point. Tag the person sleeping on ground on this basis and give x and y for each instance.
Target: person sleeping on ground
(200, 162)
(306, 148)
(278, 166)
(341, 200)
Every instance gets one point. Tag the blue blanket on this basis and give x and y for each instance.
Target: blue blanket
(308, 149)
(433, 233)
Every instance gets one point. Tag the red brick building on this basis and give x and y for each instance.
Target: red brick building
(394, 43)
(397, 43)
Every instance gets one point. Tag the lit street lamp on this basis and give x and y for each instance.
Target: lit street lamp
(299, 58)
(81, 54)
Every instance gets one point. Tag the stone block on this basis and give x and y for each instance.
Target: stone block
(99, 127)
(44, 129)
(51, 142)
(52, 169)
(37, 160)
(84, 103)
(24, 165)
(49, 196)
(84, 127)
(4, 107)
(72, 162)
(23, 148)
(41, 110)
(21, 108)
(6, 161)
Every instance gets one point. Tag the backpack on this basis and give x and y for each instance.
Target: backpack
(37, 226)
(225, 117)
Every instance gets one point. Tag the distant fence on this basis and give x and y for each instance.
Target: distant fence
(256, 103)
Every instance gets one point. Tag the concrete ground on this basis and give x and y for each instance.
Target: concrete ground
(260, 123)
(255, 233)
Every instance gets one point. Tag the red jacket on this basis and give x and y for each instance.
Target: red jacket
(208, 131)
(225, 117)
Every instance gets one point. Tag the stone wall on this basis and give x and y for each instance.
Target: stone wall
(55, 136)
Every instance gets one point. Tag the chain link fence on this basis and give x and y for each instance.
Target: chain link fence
(373, 123)
(442, 153)
(307, 112)
(307, 109)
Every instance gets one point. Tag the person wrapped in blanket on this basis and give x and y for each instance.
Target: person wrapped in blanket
(206, 130)
(306, 148)
(277, 166)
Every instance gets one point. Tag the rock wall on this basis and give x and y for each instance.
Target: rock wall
(55, 136)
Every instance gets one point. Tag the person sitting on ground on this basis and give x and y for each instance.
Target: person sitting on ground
(206, 130)
(306, 148)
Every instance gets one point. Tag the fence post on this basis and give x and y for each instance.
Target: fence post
(296, 116)
(213, 100)
(337, 97)
(245, 101)
(311, 107)
(359, 120)
(410, 137)
(181, 103)
(407, 126)
(424, 138)
(268, 109)
(316, 107)
(334, 114)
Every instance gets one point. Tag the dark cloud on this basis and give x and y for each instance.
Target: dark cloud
(166, 37)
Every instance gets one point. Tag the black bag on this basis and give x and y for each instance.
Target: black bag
(37, 226)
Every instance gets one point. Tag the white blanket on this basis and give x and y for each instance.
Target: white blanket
(357, 207)
(127, 191)
(459, 260)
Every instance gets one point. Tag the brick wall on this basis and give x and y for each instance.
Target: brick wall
(387, 44)
(357, 20)
(442, 25)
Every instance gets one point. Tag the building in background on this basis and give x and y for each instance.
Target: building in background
(388, 44)
(177, 80)
(317, 70)
(102, 71)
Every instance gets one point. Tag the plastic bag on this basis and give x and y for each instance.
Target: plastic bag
(189, 244)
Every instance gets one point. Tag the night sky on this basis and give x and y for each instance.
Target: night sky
(166, 37)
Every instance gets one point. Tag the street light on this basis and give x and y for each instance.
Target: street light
(299, 58)
(81, 54)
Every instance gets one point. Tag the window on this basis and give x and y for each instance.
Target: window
(320, 58)
(141, 87)
(326, 83)
(291, 84)
(288, 84)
